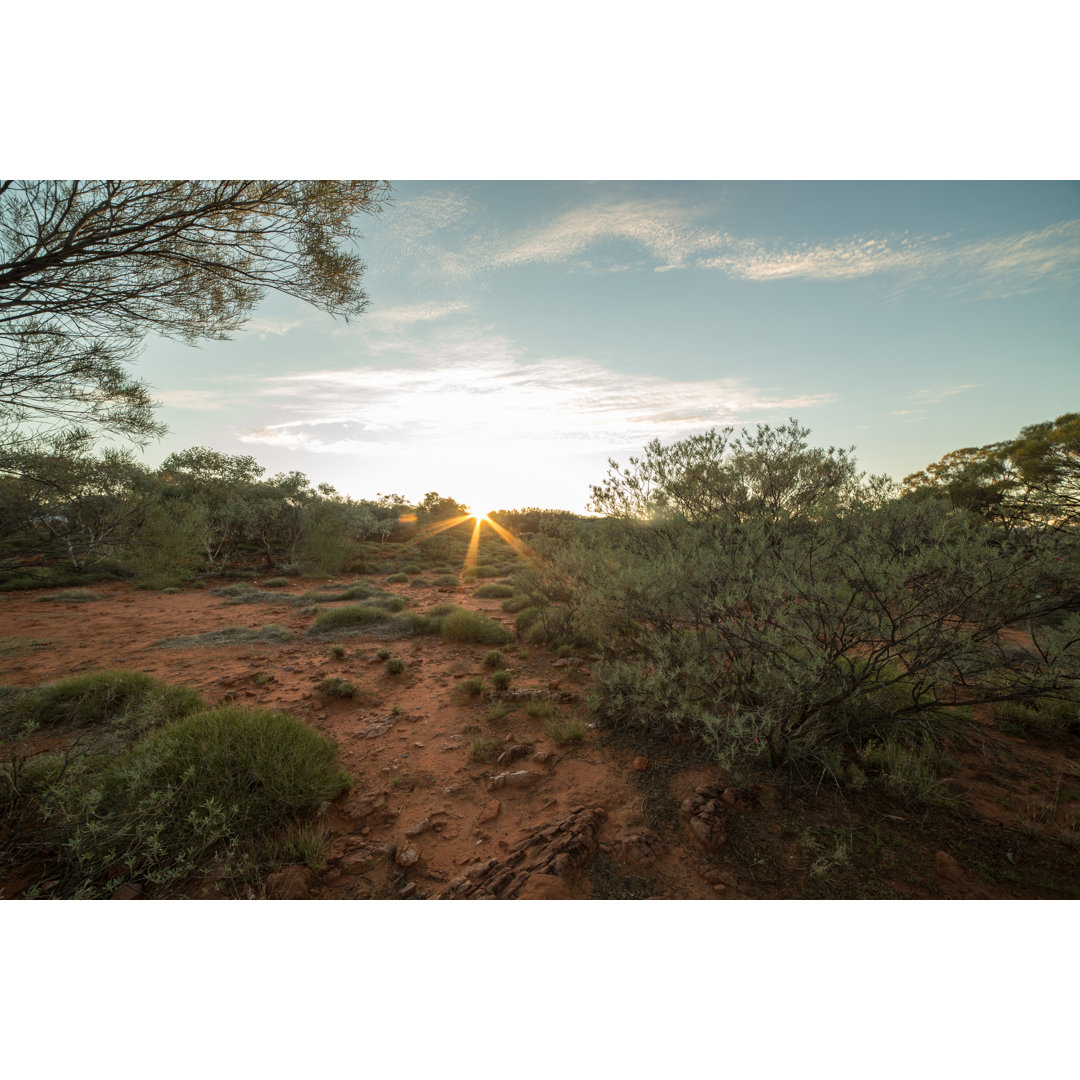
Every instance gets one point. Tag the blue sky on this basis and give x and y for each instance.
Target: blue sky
(521, 333)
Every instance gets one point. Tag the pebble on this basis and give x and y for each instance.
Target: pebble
(640, 763)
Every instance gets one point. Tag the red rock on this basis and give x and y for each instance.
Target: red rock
(490, 812)
(640, 764)
(407, 856)
(946, 867)
(521, 779)
(729, 795)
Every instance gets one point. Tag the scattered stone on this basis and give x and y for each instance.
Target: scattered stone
(640, 764)
(129, 891)
(729, 796)
(407, 856)
(355, 863)
(490, 812)
(511, 754)
(560, 663)
(408, 890)
(420, 827)
(292, 883)
(524, 779)
(720, 888)
(557, 849)
(542, 757)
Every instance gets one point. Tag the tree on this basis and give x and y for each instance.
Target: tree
(89, 268)
(772, 474)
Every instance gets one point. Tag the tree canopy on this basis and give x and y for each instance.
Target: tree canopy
(89, 268)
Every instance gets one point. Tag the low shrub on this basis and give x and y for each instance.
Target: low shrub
(275, 583)
(272, 633)
(493, 592)
(383, 654)
(493, 659)
(201, 787)
(501, 680)
(517, 602)
(398, 577)
(338, 652)
(347, 620)
(395, 666)
(446, 580)
(473, 627)
(489, 571)
(562, 731)
(72, 596)
(473, 686)
(334, 687)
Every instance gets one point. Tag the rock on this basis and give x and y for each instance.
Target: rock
(512, 753)
(407, 856)
(729, 796)
(292, 883)
(408, 890)
(557, 849)
(544, 887)
(640, 764)
(560, 663)
(542, 757)
(490, 812)
(523, 779)
(720, 887)
(355, 863)
(420, 827)
(129, 891)
(639, 848)
(704, 817)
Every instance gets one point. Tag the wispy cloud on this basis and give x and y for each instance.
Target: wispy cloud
(266, 326)
(671, 234)
(481, 396)
(934, 395)
(397, 318)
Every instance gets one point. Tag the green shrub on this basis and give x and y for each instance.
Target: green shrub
(121, 699)
(482, 749)
(540, 708)
(471, 626)
(412, 568)
(334, 687)
(516, 603)
(275, 583)
(562, 731)
(338, 652)
(383, 654)
(498, 712)
(398, 577)
(417, 583)
(493, 659)
(1046, 713)
(473, 686)
(493, 592)
(444, 580)
(395, 666)
(347, 620)
(501, 680)
(198, 788)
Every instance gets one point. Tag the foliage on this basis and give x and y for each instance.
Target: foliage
(501, 680)
(89, 268)
(493, 592)
(333, 687)
(562, 731)
(395, 666)
(352, 619)
(271, 633)
(199, 787)
(493, 659)
(472, 626)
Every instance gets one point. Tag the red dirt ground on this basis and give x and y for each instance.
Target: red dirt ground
(416, 786)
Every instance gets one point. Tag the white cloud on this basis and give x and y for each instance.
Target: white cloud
(266, 326)
(475, 399)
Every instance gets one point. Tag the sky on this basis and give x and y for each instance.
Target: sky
(519, 334)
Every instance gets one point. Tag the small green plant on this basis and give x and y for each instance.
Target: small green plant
(395, 666)
(501, 680)
(262, 678)
(516, 603)
(540, 709)
(446, 580)
(417, 583)
(412, 568)
(383, 653)
(334, 687)
(564, 651)
(275, 583)
(498, 712)
(273, 633)
(493, 659)
(473, 627)
(395, 710)
(337, 652)
(562, 731)
(493, 592)
(473, 686)
(398, 578)
(347, 620)
(482, 749)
